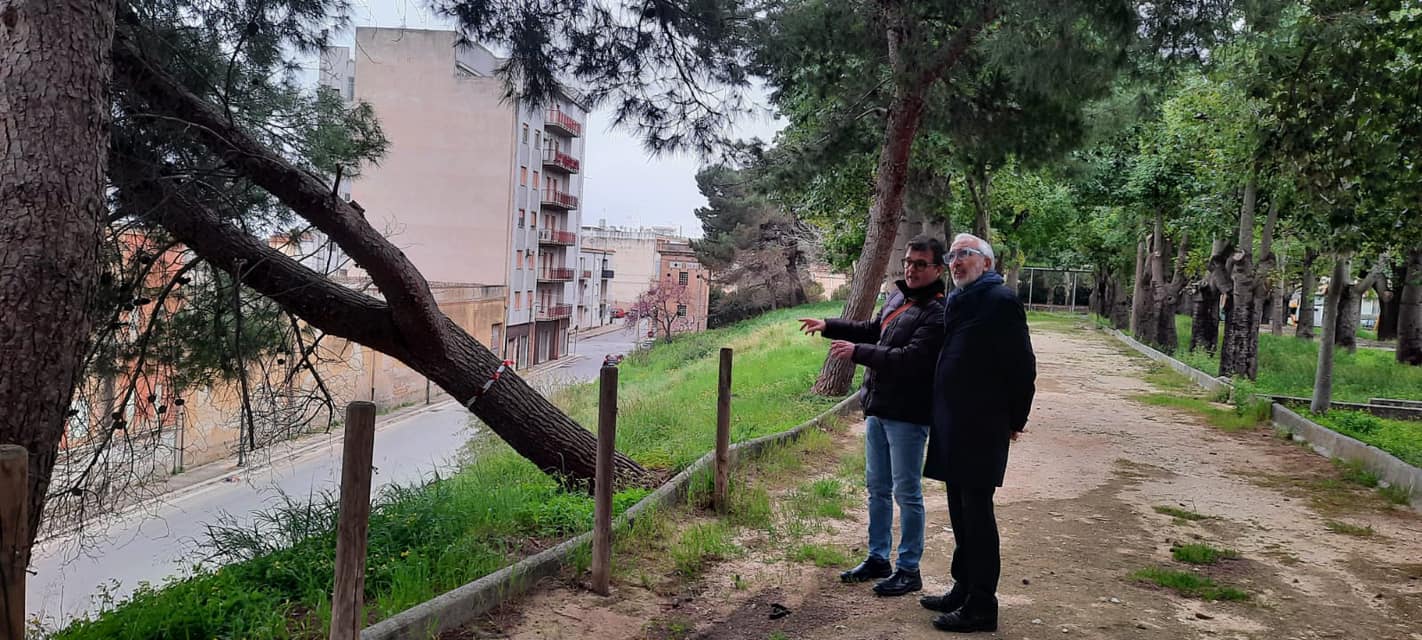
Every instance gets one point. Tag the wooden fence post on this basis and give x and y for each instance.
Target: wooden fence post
(354, 519)
(723, 432)
(14, 541)
(602, 482)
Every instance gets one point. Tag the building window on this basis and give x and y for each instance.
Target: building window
(518, 300)
(537, 139)
(523, 176)
(528, 260)
(350, 87)
(683, 278)
(680, 310)
(518, 259)
(535, 179)
(525, 133)
(521, 213)
(533, 220)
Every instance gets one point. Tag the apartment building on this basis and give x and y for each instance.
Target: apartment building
(646, 256)
(595, 274)
(474, 188)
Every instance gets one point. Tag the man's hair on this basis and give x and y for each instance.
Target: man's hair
(928, 243)
(978, 243)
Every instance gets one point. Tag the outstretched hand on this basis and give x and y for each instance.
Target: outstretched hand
(811, 326)
(842, 349)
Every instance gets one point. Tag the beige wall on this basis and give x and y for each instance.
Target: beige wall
(443, 192)
(635, 265)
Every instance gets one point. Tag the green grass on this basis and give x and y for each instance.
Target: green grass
(700, 544)
(1348, 529)
(1354, 472)
(1402, 438)
(1227, 418)
(1396, 494)
(824, 556)
(1200, 553)
(1179, 514)
(1188, 584)
(1287, 366)
(428, 539)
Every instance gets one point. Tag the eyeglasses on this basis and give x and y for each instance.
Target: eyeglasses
(918, 264)
(963, 254)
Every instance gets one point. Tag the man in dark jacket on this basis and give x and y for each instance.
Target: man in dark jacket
(983, 389)
(898, 347)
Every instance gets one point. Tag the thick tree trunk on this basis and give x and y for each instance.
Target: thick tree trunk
(1390, 297)
(1138, 289)
(1205, 321)
(1279, 308)
(1165, 296)
(1240, 354)
(1013, 281)
(1120, 305)
(905, 114)
(54, 131)
(910, 225)
(1308, 285)
(980, 188)
(1409, 312)
(1350, 311)
(891, 173)
(1323, 374)
(406, 325)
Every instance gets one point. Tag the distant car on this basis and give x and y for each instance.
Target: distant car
(619, 312)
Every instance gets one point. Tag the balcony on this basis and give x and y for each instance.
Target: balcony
(555, 274)
(550, 312)
(559, 121)
(559, 200)
(607, 274)
(586, 275)
(551, 236)
(555, 159)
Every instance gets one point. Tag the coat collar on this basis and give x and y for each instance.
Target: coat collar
(926, 292)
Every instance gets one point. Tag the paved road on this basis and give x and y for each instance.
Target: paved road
(159, 539)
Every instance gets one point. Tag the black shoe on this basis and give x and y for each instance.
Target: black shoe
(964, 621)
(903, 581)
(946, 603)
(872, 568)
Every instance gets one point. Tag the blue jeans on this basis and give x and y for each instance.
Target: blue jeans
(893, 464)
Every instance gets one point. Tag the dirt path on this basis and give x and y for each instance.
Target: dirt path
(1078, 516)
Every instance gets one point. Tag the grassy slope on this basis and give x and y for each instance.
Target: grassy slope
(426, 540)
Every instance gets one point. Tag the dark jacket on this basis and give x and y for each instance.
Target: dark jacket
(899, 382)
(983, 386)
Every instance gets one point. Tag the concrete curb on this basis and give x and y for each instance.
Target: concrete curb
(1209, 382)
(462, 605)
(1336, 445)
(1321, 439)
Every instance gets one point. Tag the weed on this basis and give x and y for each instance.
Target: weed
(777, 635)
(1178, 513)
(1349, 529)
(750, 507)
(1354, 472)
(821, 555)
(738, 583)
(1200, 553)
(701, 543)
(1225, 418)
(1396, 494)
(1188, 584)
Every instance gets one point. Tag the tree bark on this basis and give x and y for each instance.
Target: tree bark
(1323, 373)
(1240, 353)
(407, 325)
(54, 130)
(1409, 312)
(891, 174)
(1309, 283)
(1389, 297)
(1205, 321)
(1279, 307)
(1138, 288)
(980, 188)
(1350, 308)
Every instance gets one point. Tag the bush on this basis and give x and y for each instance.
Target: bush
(1356, 422)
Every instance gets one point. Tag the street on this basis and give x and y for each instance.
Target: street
(159, 540)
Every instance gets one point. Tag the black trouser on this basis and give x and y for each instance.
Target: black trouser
(977, 562)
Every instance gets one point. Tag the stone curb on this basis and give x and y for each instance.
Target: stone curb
(463, 605)
(1324, 441)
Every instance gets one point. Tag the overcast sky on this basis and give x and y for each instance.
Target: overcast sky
(621, 183)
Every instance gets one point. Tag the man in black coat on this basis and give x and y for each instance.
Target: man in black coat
(898, 348)
(983, 388)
